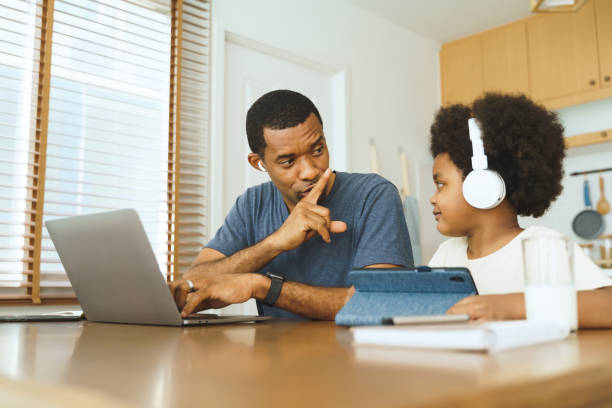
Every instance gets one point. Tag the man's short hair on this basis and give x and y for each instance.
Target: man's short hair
(279, 109)
(523, 141)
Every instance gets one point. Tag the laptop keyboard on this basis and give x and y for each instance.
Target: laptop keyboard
(197, 316)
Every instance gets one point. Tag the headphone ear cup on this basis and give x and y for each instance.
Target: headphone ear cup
(484, 189)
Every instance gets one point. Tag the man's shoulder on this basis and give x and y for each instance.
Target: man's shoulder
(257, 198)
(363, 177)
(364, 181)
(259, 192)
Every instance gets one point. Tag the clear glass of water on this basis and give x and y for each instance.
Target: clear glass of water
(550, 291)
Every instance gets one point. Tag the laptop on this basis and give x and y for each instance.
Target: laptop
(113, 271)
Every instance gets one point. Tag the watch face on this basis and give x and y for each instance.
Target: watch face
(271, 275)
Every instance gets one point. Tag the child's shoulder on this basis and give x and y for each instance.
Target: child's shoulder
(453, 243)
(538, 231)
(450, 252)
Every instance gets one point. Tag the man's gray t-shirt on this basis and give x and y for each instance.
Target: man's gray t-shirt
(367, 203)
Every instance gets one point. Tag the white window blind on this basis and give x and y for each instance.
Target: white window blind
(194, 125)
(19, 64)
(107, 144)
(123, 129)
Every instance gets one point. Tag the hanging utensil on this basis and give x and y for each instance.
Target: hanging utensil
(411, 212)
(588, 223)
(374, 157)
(603, 206)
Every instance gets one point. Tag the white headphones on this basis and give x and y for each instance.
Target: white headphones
(482, 188)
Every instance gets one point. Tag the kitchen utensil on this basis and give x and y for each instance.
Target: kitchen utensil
(603, 206)
(374, 157)
(605, 247)
(411, 212)
(587, 249)
(588, 223)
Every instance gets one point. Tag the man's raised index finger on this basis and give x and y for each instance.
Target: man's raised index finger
(319, 187)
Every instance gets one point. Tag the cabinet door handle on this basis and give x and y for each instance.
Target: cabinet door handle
(592, 82)
(607, 78)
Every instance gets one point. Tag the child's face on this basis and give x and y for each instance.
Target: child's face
(453, 214)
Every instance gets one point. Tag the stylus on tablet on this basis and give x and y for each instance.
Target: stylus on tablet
(426, 319)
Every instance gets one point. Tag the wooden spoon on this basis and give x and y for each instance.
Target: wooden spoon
(603, 206)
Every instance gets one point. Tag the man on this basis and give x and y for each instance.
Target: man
(307, 228)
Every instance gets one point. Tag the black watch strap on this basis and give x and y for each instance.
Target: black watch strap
(276, 284)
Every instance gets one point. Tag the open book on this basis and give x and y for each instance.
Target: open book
(489, 336)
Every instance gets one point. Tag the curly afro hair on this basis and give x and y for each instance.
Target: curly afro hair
(523, 142)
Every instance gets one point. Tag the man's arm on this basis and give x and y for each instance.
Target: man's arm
(213, 264)
(306, 220)
(309, 301)
(594, 307)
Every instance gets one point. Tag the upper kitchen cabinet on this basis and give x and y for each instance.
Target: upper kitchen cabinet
(603, 10)
(563, 53)
(558, 59)
(504, 59)
(493, 61)
(461, 71)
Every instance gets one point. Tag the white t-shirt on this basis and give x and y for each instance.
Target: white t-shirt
(503, 272)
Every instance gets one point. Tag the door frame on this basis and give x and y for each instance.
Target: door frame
(341, 96)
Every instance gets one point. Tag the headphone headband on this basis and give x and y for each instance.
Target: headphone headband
(479, 158)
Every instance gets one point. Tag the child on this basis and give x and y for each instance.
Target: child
(524, 144)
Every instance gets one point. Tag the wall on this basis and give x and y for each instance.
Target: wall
(579, 119)
(392, 77)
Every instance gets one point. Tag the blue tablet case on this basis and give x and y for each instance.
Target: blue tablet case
(384, 293)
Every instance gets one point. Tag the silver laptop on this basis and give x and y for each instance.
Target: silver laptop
(114, 273)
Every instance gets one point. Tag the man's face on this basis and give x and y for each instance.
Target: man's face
(453, 214)
(295, 158)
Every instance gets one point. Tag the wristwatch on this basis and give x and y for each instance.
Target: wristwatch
(276, 283)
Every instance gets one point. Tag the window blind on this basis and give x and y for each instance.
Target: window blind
(194, 138)
(122, 132)
(20, 41)
(107, 136)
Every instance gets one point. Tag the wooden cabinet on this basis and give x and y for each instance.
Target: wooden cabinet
(558, 59)
(603, 10)
(493, 61)
(461, 71)
(563, 53)
(504, 59)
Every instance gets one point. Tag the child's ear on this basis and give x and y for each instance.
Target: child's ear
(484, 189)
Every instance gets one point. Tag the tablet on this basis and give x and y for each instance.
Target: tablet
(416, 295)
(422, 279)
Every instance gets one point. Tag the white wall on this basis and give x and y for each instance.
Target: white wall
(392, 79)
(580, 119)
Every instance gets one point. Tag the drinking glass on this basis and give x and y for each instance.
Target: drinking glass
(550, 292)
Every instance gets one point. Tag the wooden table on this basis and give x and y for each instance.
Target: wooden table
(294, 364)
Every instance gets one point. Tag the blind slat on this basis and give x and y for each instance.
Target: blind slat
(106, 17)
